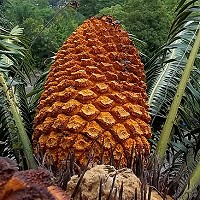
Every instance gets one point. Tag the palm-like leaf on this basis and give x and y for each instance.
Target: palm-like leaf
(165, 68)
(14, 71)
(163, 75)
(37, 90)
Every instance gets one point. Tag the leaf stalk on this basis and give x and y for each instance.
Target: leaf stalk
(19, 124)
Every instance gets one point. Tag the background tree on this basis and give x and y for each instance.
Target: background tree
(89, 8)
(148, 20)
(44, 37)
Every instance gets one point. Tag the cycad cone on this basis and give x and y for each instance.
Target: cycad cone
(94, 99)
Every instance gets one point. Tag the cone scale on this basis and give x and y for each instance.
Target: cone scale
(94, 98)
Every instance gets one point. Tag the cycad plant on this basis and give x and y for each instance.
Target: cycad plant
(174, 162)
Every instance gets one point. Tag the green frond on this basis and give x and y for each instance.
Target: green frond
(164, 72)
(10, 144)
(37, 89)
(14, 71)
(164, 76)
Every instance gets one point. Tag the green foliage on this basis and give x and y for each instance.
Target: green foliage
(45, 38)
(14, 121)
(47, 42)
(3, 21)
(89, 8)
(148, 20)
(164, 72)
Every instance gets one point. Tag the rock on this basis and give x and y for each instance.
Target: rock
(89, 187)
